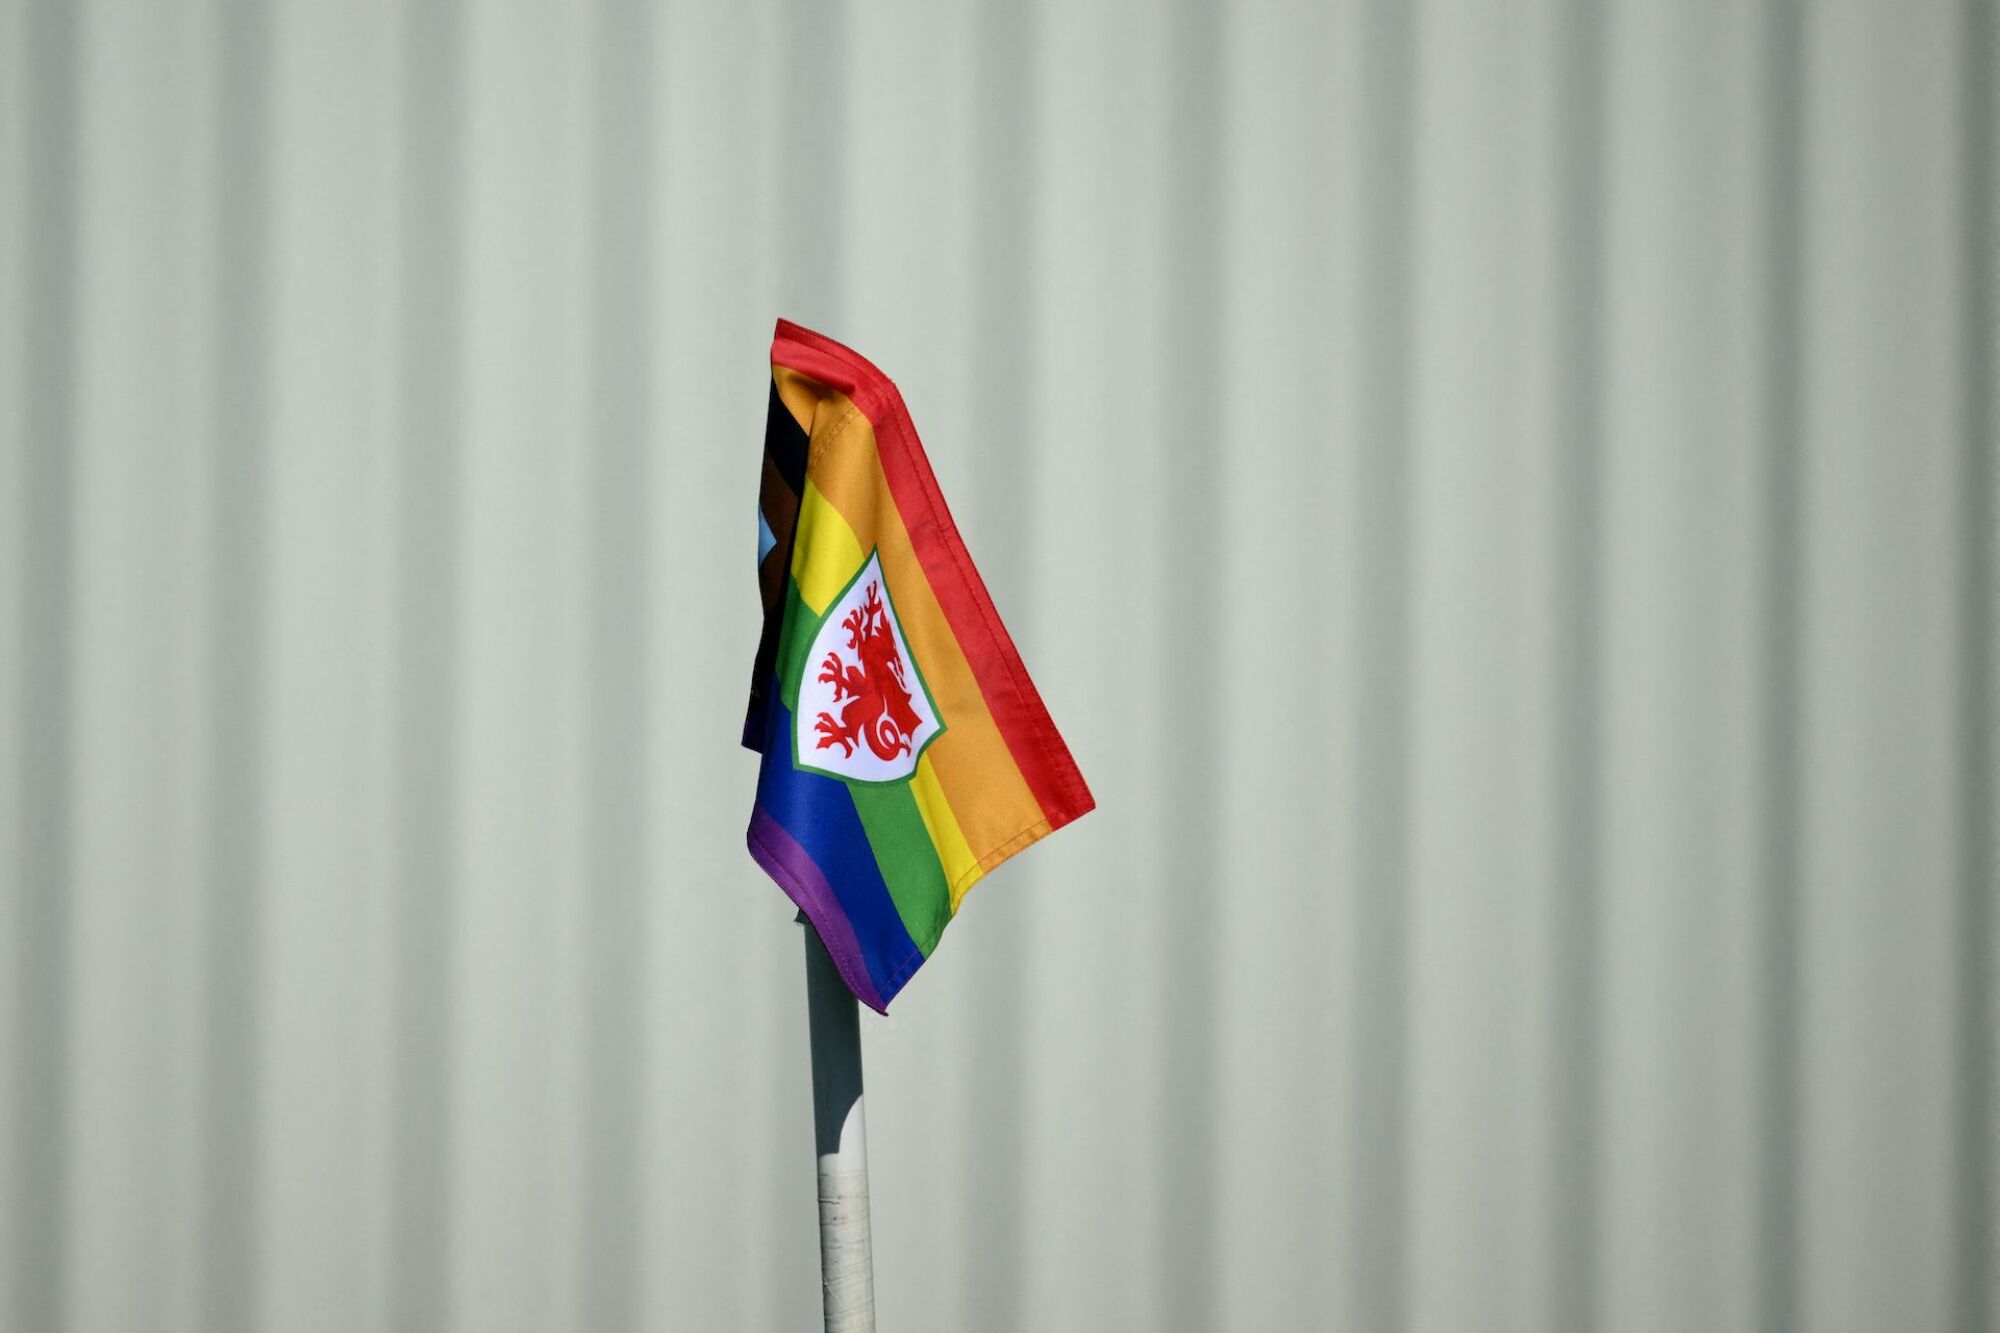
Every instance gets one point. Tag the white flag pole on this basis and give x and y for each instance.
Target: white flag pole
(846, 1263)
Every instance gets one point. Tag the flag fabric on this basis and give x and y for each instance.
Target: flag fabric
(905, 751)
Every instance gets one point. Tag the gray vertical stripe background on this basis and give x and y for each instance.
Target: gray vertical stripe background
(1501, 502)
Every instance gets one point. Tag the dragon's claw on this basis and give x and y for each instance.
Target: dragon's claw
(831, 734)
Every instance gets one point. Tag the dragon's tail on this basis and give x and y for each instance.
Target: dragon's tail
(888, 739)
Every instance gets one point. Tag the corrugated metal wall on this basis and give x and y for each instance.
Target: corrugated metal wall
(1500, 497)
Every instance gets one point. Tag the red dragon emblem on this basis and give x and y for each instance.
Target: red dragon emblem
(876, 689)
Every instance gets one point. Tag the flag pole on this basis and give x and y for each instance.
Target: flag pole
(846, 1265)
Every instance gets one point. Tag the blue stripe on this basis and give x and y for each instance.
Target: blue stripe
(818, 812)
(766, 539)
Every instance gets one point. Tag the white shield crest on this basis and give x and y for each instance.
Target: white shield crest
(864, 712)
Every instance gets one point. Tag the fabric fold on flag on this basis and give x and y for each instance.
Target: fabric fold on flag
(905, 751)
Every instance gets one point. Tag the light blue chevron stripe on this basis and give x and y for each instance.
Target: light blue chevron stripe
(765, 541)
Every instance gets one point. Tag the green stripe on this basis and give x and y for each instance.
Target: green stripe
(906, 857)
(796, 640)
(903, 849)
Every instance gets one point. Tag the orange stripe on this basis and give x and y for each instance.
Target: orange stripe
(974, 767)
(804, 397)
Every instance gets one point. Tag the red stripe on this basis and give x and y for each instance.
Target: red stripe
(1017, 708)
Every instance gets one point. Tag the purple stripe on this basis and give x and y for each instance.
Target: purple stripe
(805, 884)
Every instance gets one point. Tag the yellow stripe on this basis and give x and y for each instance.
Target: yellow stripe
(961, 867)
(825, 553)
(974, 770)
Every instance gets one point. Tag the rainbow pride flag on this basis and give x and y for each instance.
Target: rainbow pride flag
(906, 752)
